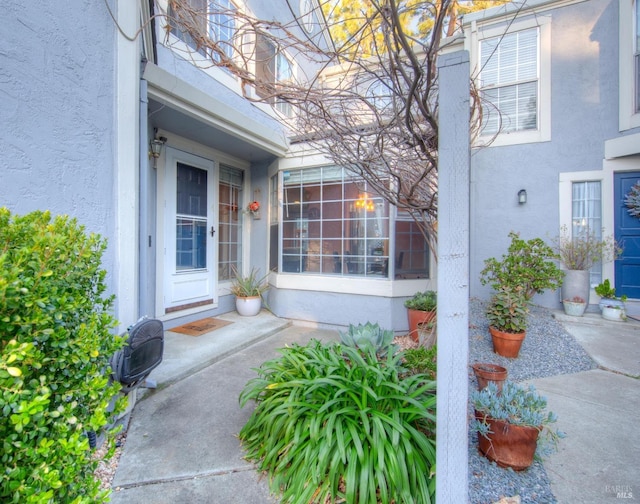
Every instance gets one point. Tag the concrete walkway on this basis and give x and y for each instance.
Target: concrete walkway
(599, 460)
(182, 448)
(181, 443)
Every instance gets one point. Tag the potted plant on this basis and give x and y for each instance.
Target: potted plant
(575, 306)
(420, 308)
(489, 373)
(528, 265)
(612, 306)
(578, 253)
(248, 291)
(507, 315)
(513, 426)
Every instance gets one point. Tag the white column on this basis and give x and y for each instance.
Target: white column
(453, 279)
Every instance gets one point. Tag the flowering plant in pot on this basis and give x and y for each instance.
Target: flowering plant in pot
(421, 308)
(248, 291)
(507, 314)
(514, 425)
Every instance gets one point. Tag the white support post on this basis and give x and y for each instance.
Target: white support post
(453, 279)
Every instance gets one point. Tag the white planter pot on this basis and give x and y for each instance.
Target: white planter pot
(576, 283)
(248, 306)
(610, 302)
(574, 309)
(616, 313)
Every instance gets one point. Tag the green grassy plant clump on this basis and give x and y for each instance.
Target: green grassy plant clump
(422, 360)
(55, 342)
(333, 423)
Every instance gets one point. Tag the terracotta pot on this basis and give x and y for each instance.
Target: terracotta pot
(506, 344)
(486, 373)
(416, 317)
(508, 445)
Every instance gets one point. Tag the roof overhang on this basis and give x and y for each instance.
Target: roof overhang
(179, 107)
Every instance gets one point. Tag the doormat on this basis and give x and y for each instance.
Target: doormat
(202, 326)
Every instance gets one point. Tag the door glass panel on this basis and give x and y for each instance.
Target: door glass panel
(191, 218)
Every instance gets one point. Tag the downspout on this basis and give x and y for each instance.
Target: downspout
(144, 237)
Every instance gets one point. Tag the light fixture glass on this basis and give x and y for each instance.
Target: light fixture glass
(156, 147)
(522, 196)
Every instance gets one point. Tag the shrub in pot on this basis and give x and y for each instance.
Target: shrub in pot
(507, 315)
(528, 265)
(513, 426)
(248, 291)
(608, 295)
(421, 308)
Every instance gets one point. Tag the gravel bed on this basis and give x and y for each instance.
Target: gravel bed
(548, 350)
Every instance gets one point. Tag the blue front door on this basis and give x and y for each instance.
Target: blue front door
(627, 234)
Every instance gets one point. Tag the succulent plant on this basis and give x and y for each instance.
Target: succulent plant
(367, 336)
(517, 405)
(423, 301)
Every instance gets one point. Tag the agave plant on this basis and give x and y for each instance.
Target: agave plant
(367, 336)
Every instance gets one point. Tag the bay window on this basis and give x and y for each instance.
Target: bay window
(333, 225)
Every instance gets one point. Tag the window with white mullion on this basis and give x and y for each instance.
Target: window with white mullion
(509, 81)
(637, 56)
(222, 26)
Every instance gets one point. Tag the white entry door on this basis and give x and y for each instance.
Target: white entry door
(189, 231)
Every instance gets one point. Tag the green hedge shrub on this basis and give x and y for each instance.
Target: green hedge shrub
(334, 423)
(56, 341)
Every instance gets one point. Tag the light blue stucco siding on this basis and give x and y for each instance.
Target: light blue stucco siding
(57, 114)
(584, 113)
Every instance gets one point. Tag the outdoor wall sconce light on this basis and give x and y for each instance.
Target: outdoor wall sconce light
(155, 148)
(522, 196)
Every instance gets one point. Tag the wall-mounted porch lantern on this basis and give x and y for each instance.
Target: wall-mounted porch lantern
(522, 196)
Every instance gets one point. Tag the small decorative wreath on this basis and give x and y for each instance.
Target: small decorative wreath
(632, 200)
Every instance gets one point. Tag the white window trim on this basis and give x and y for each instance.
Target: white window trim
(627, 119)
(475, 33)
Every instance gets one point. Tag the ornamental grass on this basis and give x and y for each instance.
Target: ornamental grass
(337, 424)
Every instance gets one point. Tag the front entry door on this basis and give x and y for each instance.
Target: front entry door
(189, 265)
(627, 234)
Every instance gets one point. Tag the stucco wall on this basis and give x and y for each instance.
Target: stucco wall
(584, 113)
(339, 309)
(57, 113)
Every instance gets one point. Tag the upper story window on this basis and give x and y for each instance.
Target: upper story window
(193, 13)
(509, 82)
(513, 65)
(629, 65)
(222, 26)
(637, 55)
(272, 66)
